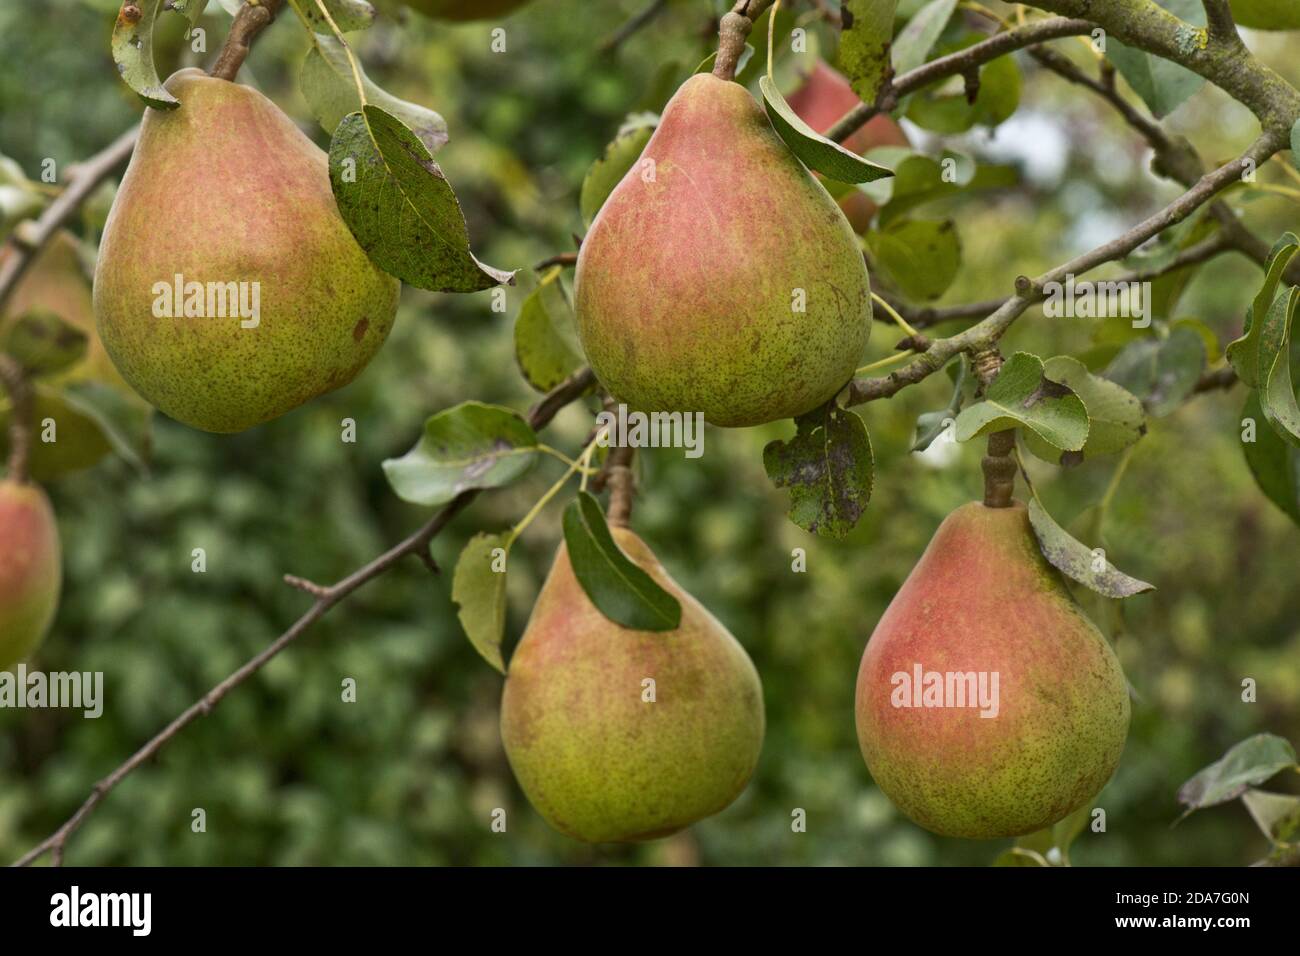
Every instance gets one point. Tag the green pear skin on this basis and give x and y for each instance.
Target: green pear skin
(983, 599)
(1267, 14)
(596, 760)
(720, 277)
(30, 570)
(226, 189)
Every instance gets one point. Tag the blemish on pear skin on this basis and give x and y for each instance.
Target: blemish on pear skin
(359, 330)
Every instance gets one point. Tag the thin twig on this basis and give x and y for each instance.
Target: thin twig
(563, 394)
(632, 27)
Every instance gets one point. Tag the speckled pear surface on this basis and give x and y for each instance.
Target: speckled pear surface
(30, 570)
(983, 599)
(719, 276)
(226, 189)
(597, 760)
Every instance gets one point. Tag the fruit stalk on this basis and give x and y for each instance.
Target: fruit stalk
(622, 486)
(253, 17)
(732, 32)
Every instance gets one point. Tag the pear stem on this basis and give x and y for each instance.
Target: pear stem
(621, 484)
(253, 17)
(732, 32)
(1000, 470)
(16, 383)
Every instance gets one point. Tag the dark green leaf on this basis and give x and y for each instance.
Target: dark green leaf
(478, 589)
(348, 15)
(1115, 416)
(814, 150)
(1243, 354)
(865, 44)
(946, 107)
(400, 207)
(1274, 463)
(620, 589)
(1163, 84)
(1276, 389)
(1023, 396)
(1160, 372)
(546, 345)
(42, 343)
(921, 256)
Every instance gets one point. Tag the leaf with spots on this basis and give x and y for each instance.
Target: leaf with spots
(828, 467)
(348, 15)
(400, 207)
(1161, 372)
(1023, 396)
(192, 10)
(1077, 561)
(621, 590)
(1115, 416)
(471, 445)
(478, 588)
(1247, 764)
(132, 46)
(865, 44)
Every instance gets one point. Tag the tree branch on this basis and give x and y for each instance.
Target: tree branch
(30, 238)
(1222, 28)
(541, 414)
(986, 334)
(253, 17)
(954, 64)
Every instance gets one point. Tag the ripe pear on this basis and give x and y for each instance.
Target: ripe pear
(597, 757)
(821, 102)
(984, 601)
(227, 193)
(719, 276)
(465, 10)
(1267, 14)
(30, 570)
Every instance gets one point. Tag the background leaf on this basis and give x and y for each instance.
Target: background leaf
(1250, 762)
(479, 593)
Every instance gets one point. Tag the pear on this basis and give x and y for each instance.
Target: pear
(719, 276)
(821, 102)
(30, 570)
(465, 10)
(983, 604)
(605, 756)
(226, 197)
(1267, 14)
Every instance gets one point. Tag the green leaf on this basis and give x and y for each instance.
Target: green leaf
(920, 256)
(132, 46)
(42, 343)
(87, 422)
(331, 93)
(471, 445)
(1163, 84)
(478, 589)
(1115, 416)
(1276, 389)
(914, 41)
(400, 207)
(1295, 145)
(1051, 845)
(866, 40)
(922, 179)
(546, 344)
(1276, 814)
(932, 424)
(828, 467)
(1022, 396)
(814, 150)
(348, 15)
(1245, 765)
(946, 107)
(1243, 354)
(1160, 372)
(608, 171)
(1077, 561)
(1274, 463)
(621, 590)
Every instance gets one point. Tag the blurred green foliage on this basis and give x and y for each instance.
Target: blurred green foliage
(288, 774)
